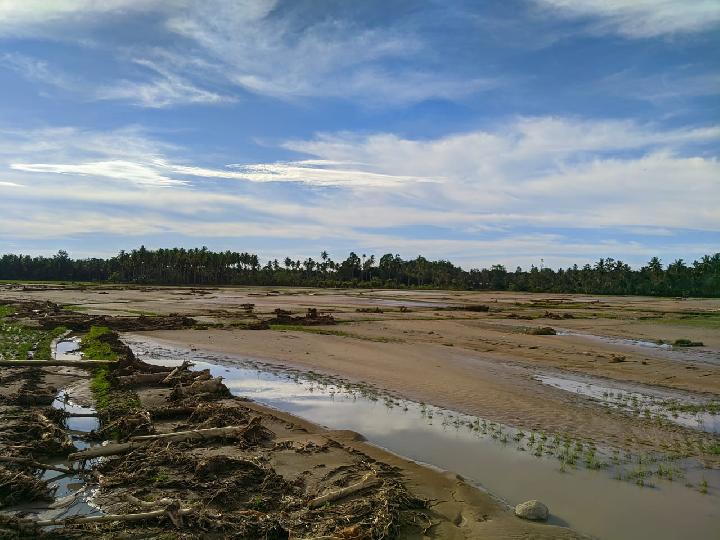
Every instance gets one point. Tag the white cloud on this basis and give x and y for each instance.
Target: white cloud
(116, 169)
(9, 184)
(642, 18)
(40, 17)
(480, 190)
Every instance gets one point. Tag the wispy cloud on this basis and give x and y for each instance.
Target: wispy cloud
(641, 18)
(252, 46)
(165, 89)
(36, 70)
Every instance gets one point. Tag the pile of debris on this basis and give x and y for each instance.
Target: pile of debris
(311, 318)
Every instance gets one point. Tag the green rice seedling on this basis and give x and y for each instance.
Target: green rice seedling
(704, 486)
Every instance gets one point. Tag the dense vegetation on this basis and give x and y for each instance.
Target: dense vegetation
(202, 267)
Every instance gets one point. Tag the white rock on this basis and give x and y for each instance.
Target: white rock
(534, 510)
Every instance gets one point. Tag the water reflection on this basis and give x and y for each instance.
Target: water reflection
(510, 464)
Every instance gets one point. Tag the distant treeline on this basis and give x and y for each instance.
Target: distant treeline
(203, 267)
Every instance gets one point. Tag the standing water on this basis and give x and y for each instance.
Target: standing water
(494, 457)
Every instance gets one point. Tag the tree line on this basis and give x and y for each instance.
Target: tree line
(178, 266)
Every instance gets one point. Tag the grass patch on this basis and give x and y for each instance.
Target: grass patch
(20, 342)
(329, 332)
(94, 347)
(684, 342)
(109, 402)
(694, 320)
(100, 386)
(43, 350)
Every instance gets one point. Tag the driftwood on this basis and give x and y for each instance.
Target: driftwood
(368, 480)
(35, 464)
(142, 440)
(107, 518)
(148, 504)
(210, 386)
(185, 366)
(142, 378)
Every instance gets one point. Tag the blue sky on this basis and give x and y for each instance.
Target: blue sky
(482, 132)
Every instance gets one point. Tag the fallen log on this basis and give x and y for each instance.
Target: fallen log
(185, 366)
(35, 464)
(210, 386)
(142, 440)
(141, 516)
(148, 504)
(369, 480)
(142, 378)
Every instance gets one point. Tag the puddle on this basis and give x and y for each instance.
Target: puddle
(652, 348)
(72, 496)
(487, 454)
(67, 349)
(651, 405)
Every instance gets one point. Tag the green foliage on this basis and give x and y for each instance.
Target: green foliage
(17, 340)
(93, 346)
(179, 266)
(108, 400)
(100, 386)
(687, 343)
(329, 332)
(43, 350)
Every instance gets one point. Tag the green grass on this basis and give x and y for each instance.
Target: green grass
(109, 401)
(329, 332)
(43, 350)
(94, 348)
(684, 342)
(694, 320)
(100, 386)
(17, 340)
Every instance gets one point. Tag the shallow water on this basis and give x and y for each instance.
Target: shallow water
(650, 404)
(72, 488)
(67, 349)
(590, 501)
(660, 350)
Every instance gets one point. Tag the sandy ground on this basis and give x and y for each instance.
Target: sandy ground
(478, 363)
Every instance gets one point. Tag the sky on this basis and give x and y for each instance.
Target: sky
(496, 132)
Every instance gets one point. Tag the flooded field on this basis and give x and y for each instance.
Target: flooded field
(657, 348)
(594, 494)
(649, 404)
